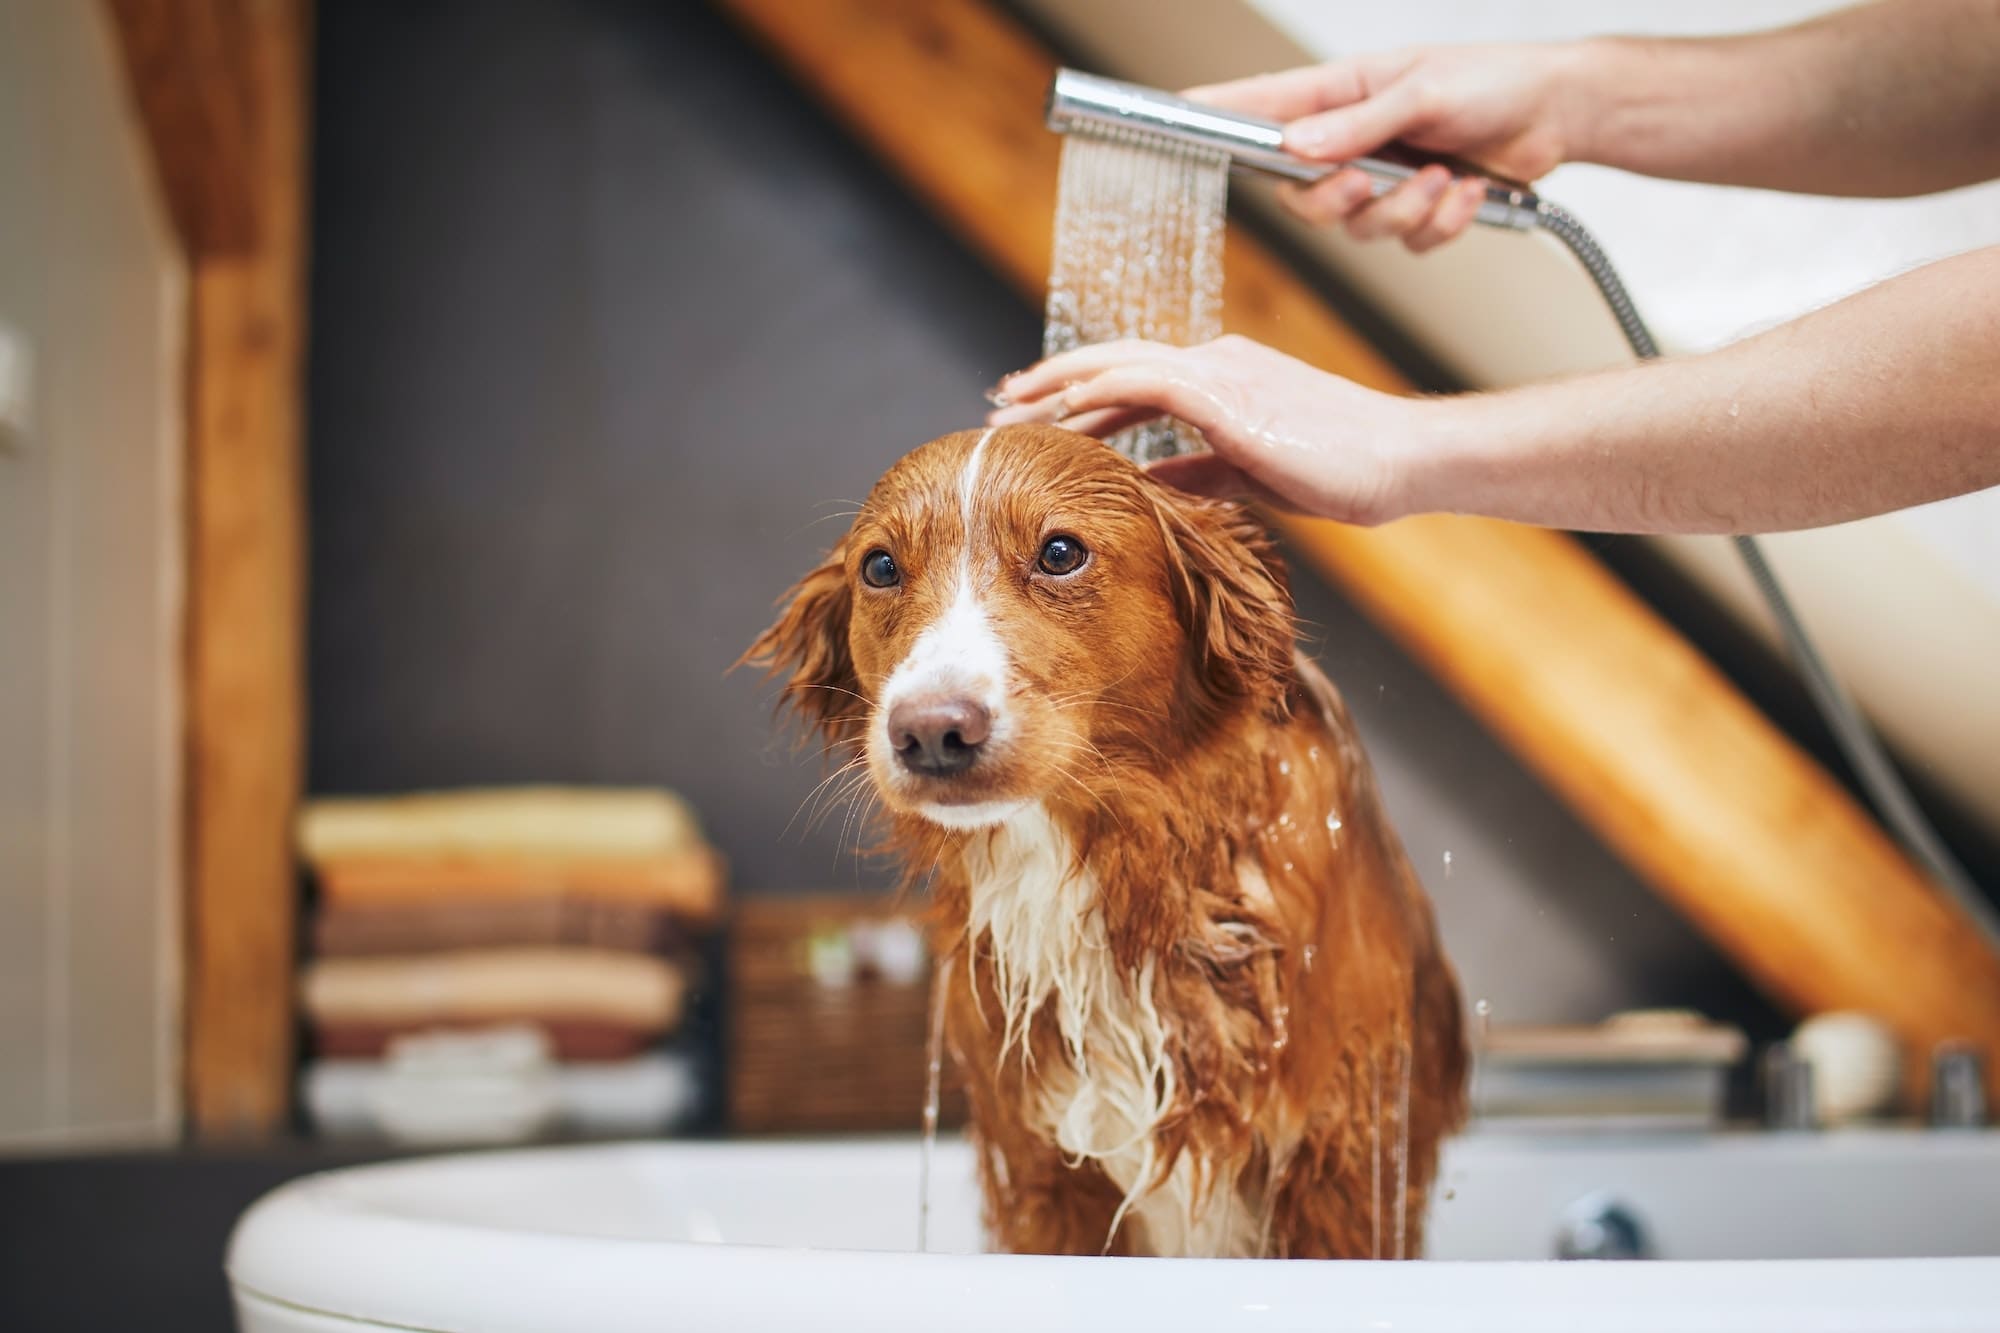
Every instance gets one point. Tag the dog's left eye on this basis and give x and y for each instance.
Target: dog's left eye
(1062, 555)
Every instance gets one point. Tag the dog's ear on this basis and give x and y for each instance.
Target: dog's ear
(808, 644)
(1234, 601)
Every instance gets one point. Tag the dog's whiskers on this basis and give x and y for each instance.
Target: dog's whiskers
(836, 689)
(824, 801)
(1063, 771)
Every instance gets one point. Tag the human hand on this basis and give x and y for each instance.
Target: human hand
(1281, 431)
(1512, 109)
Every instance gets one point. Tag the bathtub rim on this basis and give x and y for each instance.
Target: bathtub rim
(302, 1247)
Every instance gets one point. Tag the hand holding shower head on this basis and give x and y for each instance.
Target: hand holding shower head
(1086, 101)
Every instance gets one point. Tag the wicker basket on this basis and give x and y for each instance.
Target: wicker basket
(816, 1045)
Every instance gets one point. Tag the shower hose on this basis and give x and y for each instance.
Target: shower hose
(1851, 732)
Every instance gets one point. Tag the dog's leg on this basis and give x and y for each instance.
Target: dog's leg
(1386, 1110)
(1037, 1203)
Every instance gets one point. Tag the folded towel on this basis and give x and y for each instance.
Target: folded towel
(557, 822)
(345, 929)
(571, 1040)
(688, 883)
(647, 1095)
(589, 985)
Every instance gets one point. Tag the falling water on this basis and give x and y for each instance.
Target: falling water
(1403, 1152)
(933, 1078)
(1375, 1173)
(1483, 1012)
(1138, 254)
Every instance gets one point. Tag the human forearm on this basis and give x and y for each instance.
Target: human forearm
(1894, 98)
(1888, 399)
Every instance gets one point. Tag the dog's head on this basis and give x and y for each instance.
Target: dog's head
(1017, 611)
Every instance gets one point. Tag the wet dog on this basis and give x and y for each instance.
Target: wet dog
(1198, 996)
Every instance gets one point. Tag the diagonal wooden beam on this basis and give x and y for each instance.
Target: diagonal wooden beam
(1608, 704)
(185, 61)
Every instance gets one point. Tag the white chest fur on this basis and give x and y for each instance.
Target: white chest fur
(1034, 910)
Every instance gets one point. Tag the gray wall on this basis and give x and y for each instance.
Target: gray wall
(609, 325)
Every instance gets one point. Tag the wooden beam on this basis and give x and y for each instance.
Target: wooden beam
(1646, 741)
(220, 88)
(188, 63)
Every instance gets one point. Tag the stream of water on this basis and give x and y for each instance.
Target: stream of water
(933, 1081)
(1138, 254)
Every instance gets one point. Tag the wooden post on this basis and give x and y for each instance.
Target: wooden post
(1645, 740)
(220, 89)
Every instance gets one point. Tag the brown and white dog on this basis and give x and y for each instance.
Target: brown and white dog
(1198, 998)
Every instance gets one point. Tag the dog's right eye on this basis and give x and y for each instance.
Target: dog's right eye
(878, 570)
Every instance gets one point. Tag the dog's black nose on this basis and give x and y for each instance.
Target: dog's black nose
(938, 735)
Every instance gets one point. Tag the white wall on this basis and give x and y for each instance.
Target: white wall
(91, 286)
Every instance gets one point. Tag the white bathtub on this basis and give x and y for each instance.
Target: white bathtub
(1874, 1230)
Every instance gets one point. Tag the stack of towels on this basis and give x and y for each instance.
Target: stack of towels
(495, 964)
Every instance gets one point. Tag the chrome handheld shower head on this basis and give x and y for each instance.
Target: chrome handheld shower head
(1092, 103)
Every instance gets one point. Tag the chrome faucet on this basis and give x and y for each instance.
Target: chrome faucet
(1958, 1086)
(1788, 1089)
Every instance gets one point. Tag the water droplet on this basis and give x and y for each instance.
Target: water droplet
(1288, 867)
(1332, 822)
(1447, 865)
(1284, 767)
(1285, 820)
(1482, 1007)
(1311, 953)
(1312, 753)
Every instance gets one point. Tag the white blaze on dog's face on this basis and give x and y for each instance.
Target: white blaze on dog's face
(1018, 614)
(945, 704)
(998, 581)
